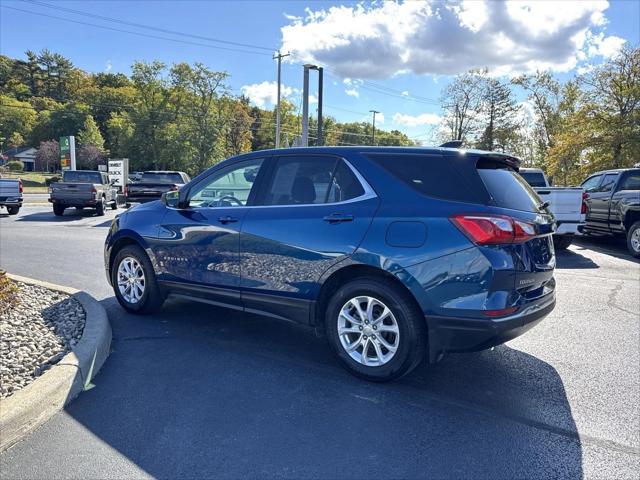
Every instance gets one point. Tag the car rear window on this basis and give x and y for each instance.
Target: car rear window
(535, 179)
(161, 178)
(445, 177)
(509, 190)
(78, 176)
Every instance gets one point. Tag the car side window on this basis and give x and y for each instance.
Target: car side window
(591, 183)
(229, 187)
(344, 185)
(632, 182)
(608, 182)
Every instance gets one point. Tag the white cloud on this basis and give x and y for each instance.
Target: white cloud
(417, 120)
(265, 93)
(383, 39)
(405, 93)
(353, 85)
(108, 66)
(352, 92)
(379, 118)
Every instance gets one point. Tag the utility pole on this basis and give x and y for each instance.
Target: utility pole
(279, 57)
(320, 140)
(373, 136)
(305, 105)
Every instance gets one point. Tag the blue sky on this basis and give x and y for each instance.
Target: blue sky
(404, 52)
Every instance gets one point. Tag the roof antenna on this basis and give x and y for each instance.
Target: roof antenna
(452, 144)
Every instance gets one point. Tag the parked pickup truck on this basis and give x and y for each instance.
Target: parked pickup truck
(11, 194)
(153, 184)
(83, 188)
(566, 204)
(613, 205)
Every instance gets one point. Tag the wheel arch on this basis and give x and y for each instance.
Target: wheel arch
(129, 238)
(631, 217)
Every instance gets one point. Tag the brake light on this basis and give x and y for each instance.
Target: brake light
(583, 209)
(494, 229)
(125, 190)
(94, 189)
(20, 185)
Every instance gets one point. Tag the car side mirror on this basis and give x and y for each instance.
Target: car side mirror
(171, 199)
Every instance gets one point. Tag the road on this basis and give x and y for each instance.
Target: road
(196, 391)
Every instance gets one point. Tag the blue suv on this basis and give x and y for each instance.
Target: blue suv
(394, 253)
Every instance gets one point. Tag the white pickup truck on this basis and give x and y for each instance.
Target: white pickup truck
(566, 204)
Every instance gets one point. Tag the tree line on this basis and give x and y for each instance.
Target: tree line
(185, 117)
(181, 117)
(571, 129)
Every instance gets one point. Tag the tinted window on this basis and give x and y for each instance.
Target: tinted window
(509, 190)
(535, 179)
(227, 188)
(450, 178)
(79, 176)
(169, 177)
(311, 180)
(591, 183)
(632, 182)
(608, 182)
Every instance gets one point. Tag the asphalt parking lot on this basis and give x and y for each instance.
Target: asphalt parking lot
(196, 391)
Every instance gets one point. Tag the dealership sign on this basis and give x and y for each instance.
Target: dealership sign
(119, 171)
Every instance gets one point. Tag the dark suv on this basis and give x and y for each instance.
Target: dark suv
(393, 252)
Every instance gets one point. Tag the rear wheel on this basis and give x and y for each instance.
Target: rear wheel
(58, 210)
(13, 210)
(134, 281)
(633, 240)
(100, 207)
(114, 205)
(375, 329)
(562, 242)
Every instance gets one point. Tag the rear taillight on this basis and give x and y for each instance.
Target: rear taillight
(125, 190)
(494, 229)
(94, 189)
(20, 189)
(583, 209)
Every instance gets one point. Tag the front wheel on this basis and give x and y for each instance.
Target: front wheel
(633, 240)
(134, 281)
(375, 329)
(13, 210)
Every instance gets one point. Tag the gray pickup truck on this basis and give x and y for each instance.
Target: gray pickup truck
(83, 188)
(11, 194)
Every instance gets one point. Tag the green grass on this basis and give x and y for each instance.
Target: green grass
(33, 182)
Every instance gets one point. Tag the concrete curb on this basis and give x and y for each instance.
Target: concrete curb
(30, 407)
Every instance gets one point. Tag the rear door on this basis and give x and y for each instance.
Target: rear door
(313, 211)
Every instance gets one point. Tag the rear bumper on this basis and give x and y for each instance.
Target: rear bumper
(458, 334)
(68, 202)
(567, 228)
(10, 201)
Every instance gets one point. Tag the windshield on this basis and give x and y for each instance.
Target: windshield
(78, 176)
(510, 190)
(168, 177)
(535, 179)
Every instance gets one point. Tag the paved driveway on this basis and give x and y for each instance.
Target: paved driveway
(197, 391)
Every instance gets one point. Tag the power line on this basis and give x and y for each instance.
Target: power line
(157, 37)
(148, 27)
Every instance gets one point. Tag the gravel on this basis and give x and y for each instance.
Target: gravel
(35, 334)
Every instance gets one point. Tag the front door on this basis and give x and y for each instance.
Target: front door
(599, 201)
(313, 211)
(198, 247)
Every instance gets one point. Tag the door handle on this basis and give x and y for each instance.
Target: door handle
(338, 218)
(227, 219)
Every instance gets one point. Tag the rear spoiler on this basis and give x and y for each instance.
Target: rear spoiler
(499, 159)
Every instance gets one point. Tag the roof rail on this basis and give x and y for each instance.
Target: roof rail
(452, 144)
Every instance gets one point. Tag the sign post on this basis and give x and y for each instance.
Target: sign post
(68, 153)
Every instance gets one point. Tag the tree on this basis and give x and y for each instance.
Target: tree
(16, 117)
(120, 130)
(498, 111)
(89, 157)
(460, 103)
(238, 132)
(90, 135)
(48, 156)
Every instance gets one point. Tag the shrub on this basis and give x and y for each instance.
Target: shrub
(55, 179)
(15, 166)
(8, 292)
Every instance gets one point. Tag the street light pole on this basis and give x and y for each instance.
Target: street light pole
(279, 57)
(320, 140)
(305, 105)
(373, 136)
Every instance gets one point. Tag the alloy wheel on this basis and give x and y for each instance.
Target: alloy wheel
(368, 331)
(635, 240)
(131, 281)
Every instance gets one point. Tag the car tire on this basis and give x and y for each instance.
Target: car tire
(151, 298)
(409, 344)
(13, 210)
(562, 242)
(633, 240)
(114, 205)
(58, 210)
(100, 207)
